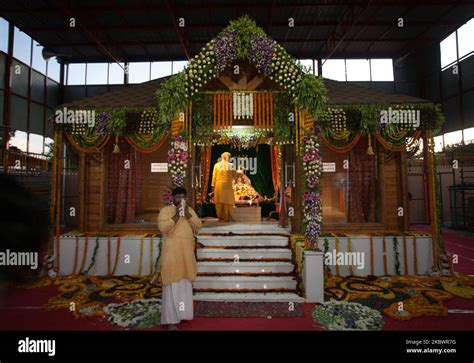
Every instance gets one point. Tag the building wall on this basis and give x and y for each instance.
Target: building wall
(419, 74)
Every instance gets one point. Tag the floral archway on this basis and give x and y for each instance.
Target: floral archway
(282, 113)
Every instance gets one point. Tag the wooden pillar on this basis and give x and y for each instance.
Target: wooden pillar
(428, 167)
(82, 180)
(381, 168)
(405, 222)
(102, 154)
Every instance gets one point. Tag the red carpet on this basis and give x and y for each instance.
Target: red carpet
(21, 309)
(460, 244)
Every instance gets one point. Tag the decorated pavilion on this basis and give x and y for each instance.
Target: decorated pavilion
(333, 171)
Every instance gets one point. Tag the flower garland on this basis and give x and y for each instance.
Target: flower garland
(397, 255)
(344, 315)
(104, 118)
(225, 49)
(117, 254)
(140, 261)
(242, 105)
(335, 120)
(142, 313)
(261, 53)
(286, 71)
(178, 161)
(238, 139)
(94, 255)
(113, 121)
(243, 39)
(312, 208)
(159, 247)
(148, 120)
(84, 256)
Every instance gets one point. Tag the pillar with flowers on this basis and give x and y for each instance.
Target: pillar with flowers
(244, 79)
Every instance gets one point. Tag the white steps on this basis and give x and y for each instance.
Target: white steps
(245, 282)
(244, 253)
(250, 297)
(245, 267)
(256, 267)
(243, 241)
(213, 226)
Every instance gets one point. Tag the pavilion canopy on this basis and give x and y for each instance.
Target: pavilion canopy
(143, 95)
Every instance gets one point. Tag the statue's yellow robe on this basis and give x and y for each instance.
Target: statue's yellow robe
(224, 199)
(177, 259)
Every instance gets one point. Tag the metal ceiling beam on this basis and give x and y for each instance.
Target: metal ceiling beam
(363, 27)
(394, 23)
(217, 5)
(174, 18)
(316, 23)
(347, 22)
(94, 37)
(178, 56)
(321, 23)
(413, 44)
(194, 42)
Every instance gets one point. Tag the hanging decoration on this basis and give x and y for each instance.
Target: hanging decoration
(239, 139)
(148, 120)
(283, 124)
(242, 105)
(337, 119)
(140, 126)
(312, 197)
(85, 143)
(178, 161)
(146, 143)
(104, 118)
(114, 121)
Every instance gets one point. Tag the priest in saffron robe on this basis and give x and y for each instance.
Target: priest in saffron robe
(222, 176)
(177, 264)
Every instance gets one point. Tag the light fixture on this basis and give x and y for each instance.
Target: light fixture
(116, 147)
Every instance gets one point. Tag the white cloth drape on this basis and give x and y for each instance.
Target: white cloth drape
(177, 302)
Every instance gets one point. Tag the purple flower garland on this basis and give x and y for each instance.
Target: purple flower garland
(225, 49)
(261, 53)
(312, 209)
(104, 118)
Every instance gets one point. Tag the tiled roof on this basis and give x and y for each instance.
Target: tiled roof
(135, 95)
(143, 95)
